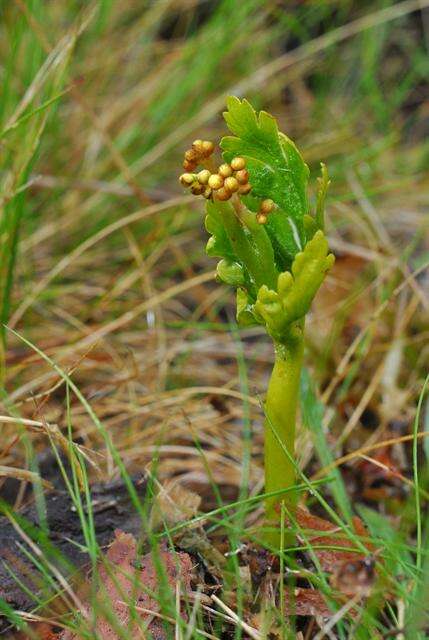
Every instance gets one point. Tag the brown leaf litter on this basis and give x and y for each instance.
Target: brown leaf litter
(352, 573)
(130, 584)
(324, 534)
(121, 583)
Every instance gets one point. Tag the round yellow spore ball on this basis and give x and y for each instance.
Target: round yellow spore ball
(244, 189)
(238, 163)
(187, 179)
(266, 206)
(203, 176)
(231, 184)
(225, 170)
(215, 181)
(197, 145)
(223, 194)
(207, 148)
(191, 155)
(242, 176)
(197, 189)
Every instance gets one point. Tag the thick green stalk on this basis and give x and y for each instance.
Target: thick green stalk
(281, 408)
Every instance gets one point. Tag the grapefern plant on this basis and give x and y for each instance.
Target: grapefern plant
(273, 251)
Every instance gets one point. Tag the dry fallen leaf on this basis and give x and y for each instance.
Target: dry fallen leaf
(41, 631)
(355, 578)
(332, 536)
(306, 602)
(122, 582)
(380, 476)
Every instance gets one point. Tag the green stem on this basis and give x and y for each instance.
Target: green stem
(280, 409)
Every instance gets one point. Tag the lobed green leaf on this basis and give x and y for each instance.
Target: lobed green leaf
(277, 171)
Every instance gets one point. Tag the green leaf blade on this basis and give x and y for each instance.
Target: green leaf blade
(218, 245)
(277, 169)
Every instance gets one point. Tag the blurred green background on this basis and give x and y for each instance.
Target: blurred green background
(101, 253)
(102, 262)
(99, 99)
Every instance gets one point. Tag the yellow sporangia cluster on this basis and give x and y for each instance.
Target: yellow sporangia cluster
(265, 208)
(222, 183)
(200, 151)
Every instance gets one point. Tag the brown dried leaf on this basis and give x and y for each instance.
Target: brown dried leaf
(381, 476)
(306, 602)
(41, 631)
(124, 582)
(331, 559)
(260, 562)
(355, 578)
